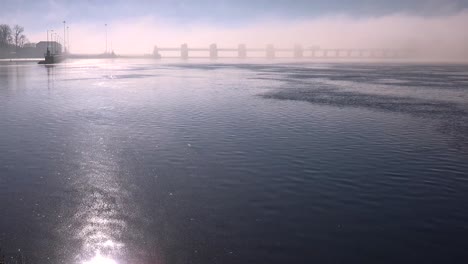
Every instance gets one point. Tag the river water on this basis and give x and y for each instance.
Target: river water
(141, 161)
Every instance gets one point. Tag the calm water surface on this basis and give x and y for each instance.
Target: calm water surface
(152, 162)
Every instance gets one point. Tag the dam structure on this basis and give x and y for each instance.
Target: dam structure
(272, 52)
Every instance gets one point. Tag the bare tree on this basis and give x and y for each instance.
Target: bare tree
(5, 35)
(17, 34)
(22, 40)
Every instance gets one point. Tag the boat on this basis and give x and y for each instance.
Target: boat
(52, 58)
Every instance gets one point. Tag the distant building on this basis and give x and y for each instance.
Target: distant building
(29, 45)
(30, 50)
(54, 46)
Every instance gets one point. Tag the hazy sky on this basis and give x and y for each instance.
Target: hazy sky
(138, 25)
(38, 14)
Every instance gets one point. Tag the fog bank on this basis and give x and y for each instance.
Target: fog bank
(433, 37)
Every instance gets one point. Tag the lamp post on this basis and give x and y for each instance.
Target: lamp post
(64, 38)
(51, 40)
(54, 43)
(56, 39)
(68, 38)
(47, 45)
(60, 44)
(106, 37)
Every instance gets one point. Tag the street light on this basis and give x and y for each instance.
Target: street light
(64, 42)
(54, 44)
(68, 39)
(106, 37)
(51, 40)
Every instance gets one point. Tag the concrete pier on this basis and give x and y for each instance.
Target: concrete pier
(270, 51)
(184, 54)
(337, 53)
(156, 52)
(298, 51)
(313, 53)
(242, 51)
(213, 51)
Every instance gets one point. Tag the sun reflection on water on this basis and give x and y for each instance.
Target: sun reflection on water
(101, 214)
(100, 259)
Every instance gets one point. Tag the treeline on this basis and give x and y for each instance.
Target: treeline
(12, 36)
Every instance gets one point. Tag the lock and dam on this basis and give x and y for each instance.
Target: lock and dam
(270, 51)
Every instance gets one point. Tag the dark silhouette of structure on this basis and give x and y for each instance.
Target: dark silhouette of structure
(53, 52)
(213, 51)
(242, 51)
(298, 52)
(270, 51)
(184, 52)
(53, 46)
(156, 53)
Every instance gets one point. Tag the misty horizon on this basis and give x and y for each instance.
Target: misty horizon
(432, 28)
